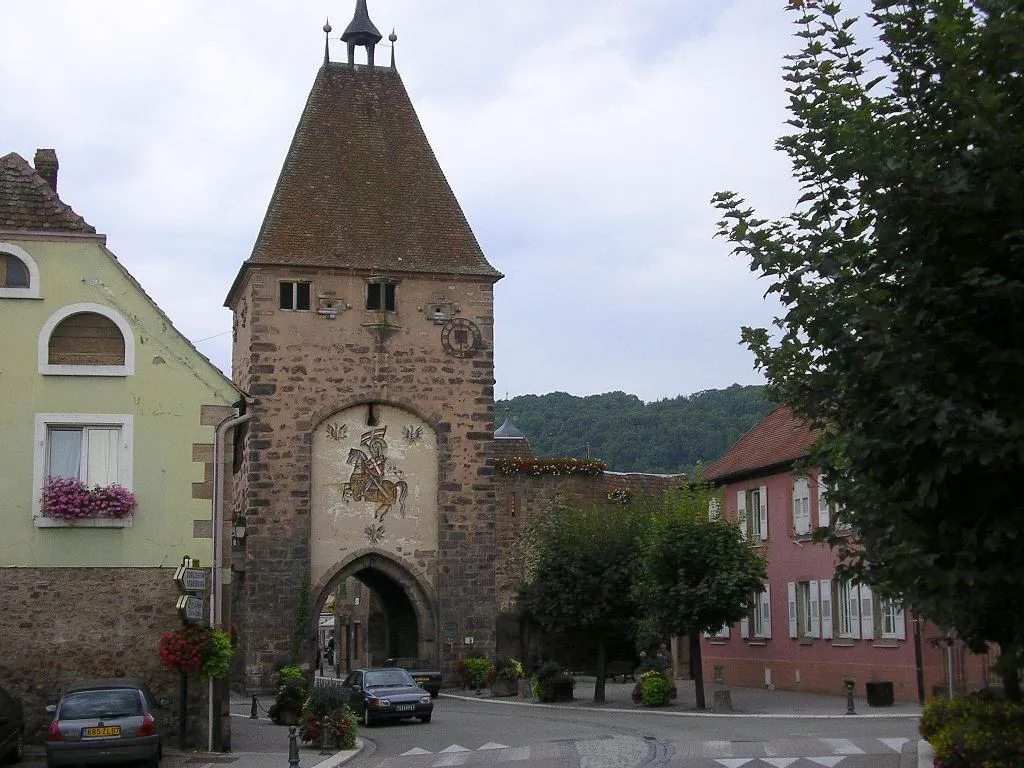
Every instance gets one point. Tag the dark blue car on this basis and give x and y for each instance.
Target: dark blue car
(382, 693)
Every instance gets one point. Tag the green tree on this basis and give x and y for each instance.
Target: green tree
(901, 274)
(697, 574)
(580, 564)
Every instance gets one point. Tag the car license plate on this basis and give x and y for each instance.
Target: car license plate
(405, 707)
(106, 730)
(421, 678)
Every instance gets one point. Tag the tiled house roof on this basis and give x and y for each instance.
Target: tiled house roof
(777, 439)
(361, 188)
(27, 201)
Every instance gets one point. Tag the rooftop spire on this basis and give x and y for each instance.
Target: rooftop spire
(360, 31)
(327, 38)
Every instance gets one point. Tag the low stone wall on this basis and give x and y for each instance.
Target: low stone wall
(61, 625)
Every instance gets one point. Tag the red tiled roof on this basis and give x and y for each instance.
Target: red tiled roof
(361, 188)
(28, 203)
(778, 438)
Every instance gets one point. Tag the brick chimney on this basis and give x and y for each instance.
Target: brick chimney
(46, 166)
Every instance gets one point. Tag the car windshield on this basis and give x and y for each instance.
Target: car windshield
(388, 678)
(114, 702)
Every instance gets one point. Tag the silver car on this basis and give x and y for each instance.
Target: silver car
(104, 722)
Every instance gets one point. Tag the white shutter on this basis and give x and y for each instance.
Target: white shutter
(723, 633)
(766, 609)
(867, 613)
(745, 627)
(791, 595)
(823, 514)
(713, 509)
(741, 512)
(855, 610)
(763, 511)
(801, 506)
(826, 608)
(815, 621)
(901, 623)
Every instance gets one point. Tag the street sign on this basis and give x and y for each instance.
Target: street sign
(190, 579)
(190, 608)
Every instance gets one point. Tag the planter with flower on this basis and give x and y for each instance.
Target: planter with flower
(196, 649)
(505, 676)
(478, 671)
(291, 696)
(69, 499)
(553, 683)
(326, 707)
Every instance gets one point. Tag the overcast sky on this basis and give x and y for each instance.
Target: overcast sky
(583, 138)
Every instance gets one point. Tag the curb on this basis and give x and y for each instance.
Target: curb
(925, 754)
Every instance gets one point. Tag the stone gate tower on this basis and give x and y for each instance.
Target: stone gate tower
(363, 329)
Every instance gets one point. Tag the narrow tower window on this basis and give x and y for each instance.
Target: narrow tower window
(380, 295)
(295, 296)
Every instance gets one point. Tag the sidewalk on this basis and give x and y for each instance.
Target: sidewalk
(746, 702)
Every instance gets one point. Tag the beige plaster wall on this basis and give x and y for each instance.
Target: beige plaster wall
(342, 523)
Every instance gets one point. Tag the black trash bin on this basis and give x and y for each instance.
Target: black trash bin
(879, 693)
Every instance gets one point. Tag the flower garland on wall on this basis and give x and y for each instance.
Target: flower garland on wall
(68, 498)
(528, 465)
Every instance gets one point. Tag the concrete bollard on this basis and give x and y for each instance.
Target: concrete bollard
(325, 741)
(723, 701)
(293, 746)
(848, 685)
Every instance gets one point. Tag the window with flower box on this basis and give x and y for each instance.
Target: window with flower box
(95, 449)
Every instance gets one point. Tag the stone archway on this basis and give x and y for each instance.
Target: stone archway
(396, 617)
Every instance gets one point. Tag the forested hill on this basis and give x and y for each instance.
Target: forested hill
(632, 436)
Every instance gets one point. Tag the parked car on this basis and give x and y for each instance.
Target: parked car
(381, 693)
(12, 728)
(422, 673)
(104, 721)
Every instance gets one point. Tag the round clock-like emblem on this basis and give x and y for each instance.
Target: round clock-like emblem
(460, 337)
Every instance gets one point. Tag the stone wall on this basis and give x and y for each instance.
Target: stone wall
(61, 625)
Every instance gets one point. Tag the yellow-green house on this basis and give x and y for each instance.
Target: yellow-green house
(99, 391)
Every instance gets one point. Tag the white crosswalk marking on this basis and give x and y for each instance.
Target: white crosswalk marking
(417, 751)
(456, 758)
(734, 762)
(829, 762)
(454, 748)
(896, 745)
(779, 762)
(718, 748)
(493, 745)
(843, 747)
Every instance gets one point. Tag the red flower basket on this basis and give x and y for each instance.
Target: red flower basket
(182, 649)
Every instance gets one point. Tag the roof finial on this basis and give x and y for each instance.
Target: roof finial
(360, 31)
(327, 33)
(393, 38)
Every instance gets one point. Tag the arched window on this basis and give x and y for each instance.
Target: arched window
(19, 276)
(86, 340)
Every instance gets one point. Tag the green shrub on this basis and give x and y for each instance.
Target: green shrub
(975, 730)
(477, 670)
(654, 691)
(549, 670)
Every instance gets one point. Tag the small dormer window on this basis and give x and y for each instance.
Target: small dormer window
(19, 274)
(380, 295)
(295, 295)
(13, 272)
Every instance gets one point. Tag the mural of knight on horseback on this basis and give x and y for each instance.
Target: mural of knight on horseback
(367, 482)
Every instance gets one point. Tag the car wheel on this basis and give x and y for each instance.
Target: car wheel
(367, 717)
(425, 718)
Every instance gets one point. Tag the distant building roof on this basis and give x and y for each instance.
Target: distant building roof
(361, 188)
(509, 431)
(777, 439)
(28, 201)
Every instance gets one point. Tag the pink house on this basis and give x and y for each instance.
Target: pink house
(811, 630)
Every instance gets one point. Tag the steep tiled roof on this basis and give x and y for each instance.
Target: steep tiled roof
(361, 188)
(28, 203)
(778, 438)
